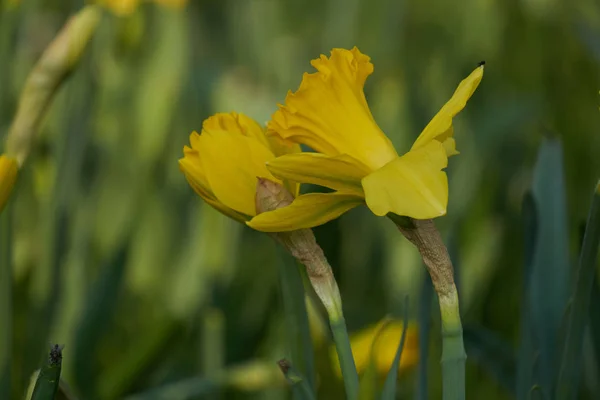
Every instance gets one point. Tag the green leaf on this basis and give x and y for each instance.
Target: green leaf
(48, 379)
(568, 377)
(300, 387)
(297, 328)
(389, 387)
(525, 363)
(551, 271)
(493, 354)
(424, 321)
(96, 317)
(6, 303)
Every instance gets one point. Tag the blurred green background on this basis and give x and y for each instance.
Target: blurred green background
(115, 256)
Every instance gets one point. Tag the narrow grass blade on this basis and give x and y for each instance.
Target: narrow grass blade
(389, 387)
(96, 318)
(493, 354)
(568, 377)
(424, 321)
(594, 316)
(297, 328)
(551, 270)
(525, 363)
(345, 357)
(300, 387)
(6, 294)
(48, 379)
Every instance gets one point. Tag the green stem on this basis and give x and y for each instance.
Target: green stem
(344, 351)
(453, 349)
(6, 303)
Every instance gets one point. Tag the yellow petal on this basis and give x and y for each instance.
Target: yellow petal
(384, 349)
(191, 166)
(306, 211)
(440, 127)
(413, 185)
(235, 124)
(330, 114)
(8, 177)
(341, 172)
(231, 164)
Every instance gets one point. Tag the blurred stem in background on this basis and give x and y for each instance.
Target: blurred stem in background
(425, 236)
(303, 246)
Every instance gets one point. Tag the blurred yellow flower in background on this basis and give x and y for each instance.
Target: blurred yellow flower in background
(8, 177)
(379, 343)
(127, 7)
(224, 161)
(330, 114)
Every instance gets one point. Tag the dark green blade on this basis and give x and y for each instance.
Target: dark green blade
(297, 328)
(568, 377)
(551, 269)
(48, 379)
(389, 387)
(300, 387)
(525, 357)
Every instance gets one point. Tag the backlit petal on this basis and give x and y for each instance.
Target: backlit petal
(235, 124)
(413, 185)
(306, 211)
(231, 164)
(440, 127)
(330, 114)
(341, 172)
(191, 166)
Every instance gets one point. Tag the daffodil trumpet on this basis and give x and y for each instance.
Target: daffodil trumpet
(222, 165)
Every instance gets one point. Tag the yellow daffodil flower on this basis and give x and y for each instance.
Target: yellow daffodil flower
(127, 7)
(378, 343)
(224, 161)
(330, 114)
(8, 177)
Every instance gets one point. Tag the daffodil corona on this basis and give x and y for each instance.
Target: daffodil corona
(330, 114)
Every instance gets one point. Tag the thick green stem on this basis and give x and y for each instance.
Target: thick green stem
(453, 349)
(303, 246)
(425, 236)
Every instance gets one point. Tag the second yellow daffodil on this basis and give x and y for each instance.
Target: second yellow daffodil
(330, 114)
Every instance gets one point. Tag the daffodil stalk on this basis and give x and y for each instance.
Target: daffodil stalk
(302, 245)
(425, 236)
